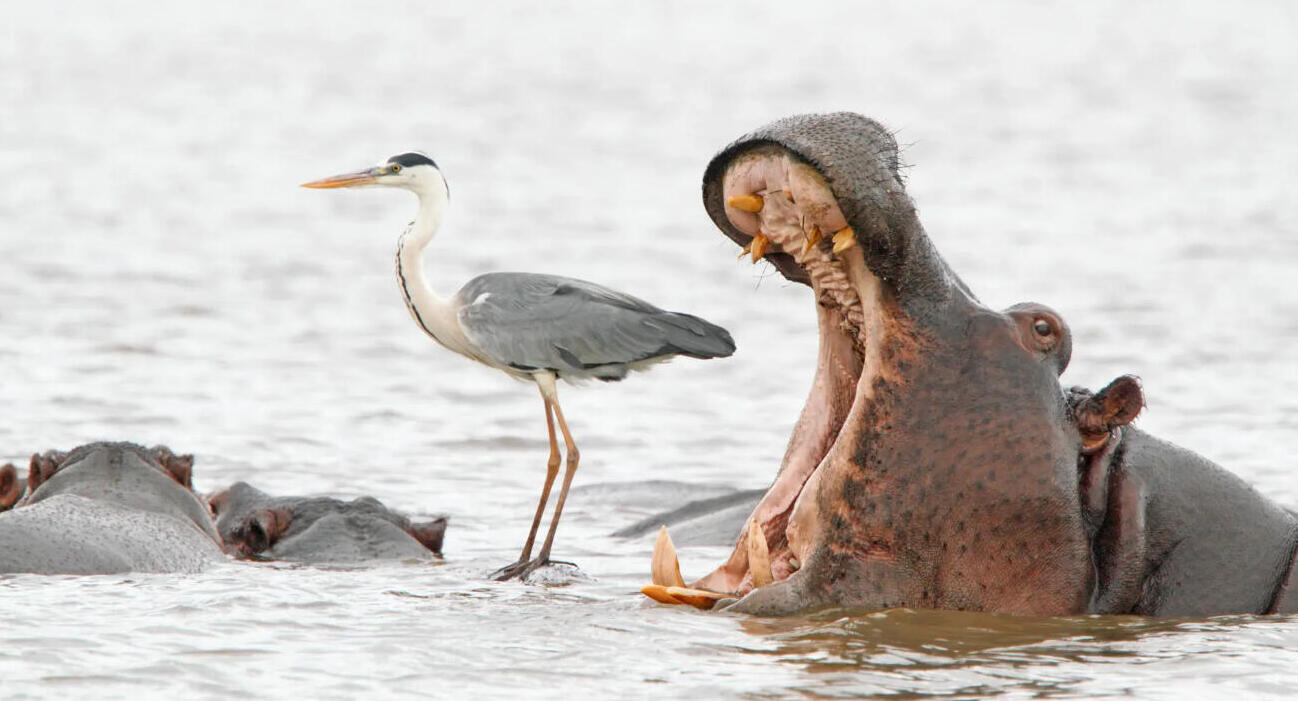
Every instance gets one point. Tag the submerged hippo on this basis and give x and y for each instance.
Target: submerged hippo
(319, 529)
(938, 462)
(107, 508)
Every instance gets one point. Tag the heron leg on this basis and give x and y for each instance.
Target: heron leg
(551, 471)
(574, 456)
(545, 382)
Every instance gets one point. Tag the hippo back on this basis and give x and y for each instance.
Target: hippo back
(70, 534)
(1215, 545)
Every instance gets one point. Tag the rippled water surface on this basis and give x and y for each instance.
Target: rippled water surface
(162, 279)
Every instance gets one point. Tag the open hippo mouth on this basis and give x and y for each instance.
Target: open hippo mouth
(936, 436)
(787, 211)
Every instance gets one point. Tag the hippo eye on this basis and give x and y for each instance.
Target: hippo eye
(1042, 327)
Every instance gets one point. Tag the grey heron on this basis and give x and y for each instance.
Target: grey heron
(531, 326)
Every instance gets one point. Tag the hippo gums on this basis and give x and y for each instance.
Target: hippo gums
(254, 524)
(106, 508)
(938, 462)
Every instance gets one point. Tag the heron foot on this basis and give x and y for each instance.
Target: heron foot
(523, 568)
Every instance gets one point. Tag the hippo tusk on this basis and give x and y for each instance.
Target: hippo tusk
(668, 587)
(666, 567)
(746, 203)
(844, 239)
(658, 593)
(698, 598)
(813, 238)
(759, 245)
(759, 557)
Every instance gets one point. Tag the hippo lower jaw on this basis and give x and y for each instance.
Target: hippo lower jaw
(789, 207)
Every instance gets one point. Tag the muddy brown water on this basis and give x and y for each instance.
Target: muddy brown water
(162, 279)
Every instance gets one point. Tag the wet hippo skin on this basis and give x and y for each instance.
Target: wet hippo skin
(938, 461)
(108, 508)
(320, 529)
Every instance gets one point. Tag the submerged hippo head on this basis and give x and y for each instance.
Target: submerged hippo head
(936, 462)
(148, 479)
(254, 524)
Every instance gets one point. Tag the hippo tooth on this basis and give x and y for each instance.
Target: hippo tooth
(666, 568)
(748, 249)
(813, 238)
(794, 564)
(759, 244)
(698, 598)
(658, 593)
(759, 557)
(844, 239)
(746, 203)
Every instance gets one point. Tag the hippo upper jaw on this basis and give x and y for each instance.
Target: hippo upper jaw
(923, 406)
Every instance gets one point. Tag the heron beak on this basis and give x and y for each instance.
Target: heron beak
(369, 176)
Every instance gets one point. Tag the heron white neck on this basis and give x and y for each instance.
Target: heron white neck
(434, 314)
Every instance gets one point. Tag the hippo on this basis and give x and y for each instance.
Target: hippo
(938, 461)
(1176, 534)
(107, 508)
(319, 530)
(710, 521)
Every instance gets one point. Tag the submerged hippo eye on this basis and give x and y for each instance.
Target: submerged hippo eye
(1042, 327)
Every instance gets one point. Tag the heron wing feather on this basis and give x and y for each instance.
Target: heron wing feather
(535, 321)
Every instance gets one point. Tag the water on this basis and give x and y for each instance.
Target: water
(162, 279)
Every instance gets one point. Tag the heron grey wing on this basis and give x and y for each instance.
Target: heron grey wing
(526, 287)
(530, 321)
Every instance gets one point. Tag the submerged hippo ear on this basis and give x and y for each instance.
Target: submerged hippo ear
(430, 534)
(10, 487)
(1116, 405)
(260, 531)
(43, 467)
(180, 467)
(216, 502)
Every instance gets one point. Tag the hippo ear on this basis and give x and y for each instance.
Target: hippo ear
(181, 468)
(10, 487)
(260, 531)
(430, 534)
(1116, 405)
(43, 467)
(217, 501)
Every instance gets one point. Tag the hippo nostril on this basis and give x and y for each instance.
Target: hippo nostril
(257, 540)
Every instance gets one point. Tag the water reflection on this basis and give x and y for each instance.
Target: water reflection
(943, 653)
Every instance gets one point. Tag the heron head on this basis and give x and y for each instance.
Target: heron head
(411, 171)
